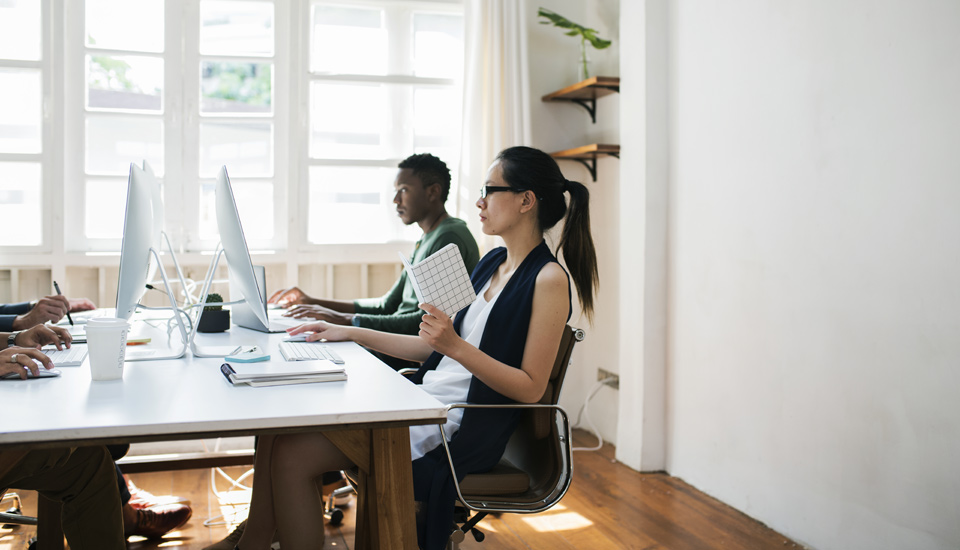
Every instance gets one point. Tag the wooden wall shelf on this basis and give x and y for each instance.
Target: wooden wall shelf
(585, 93)
(588, 155)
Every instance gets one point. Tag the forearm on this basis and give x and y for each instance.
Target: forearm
(406, 323)
(517, 384)
(4, 336)
(403, 346)
(342, 306)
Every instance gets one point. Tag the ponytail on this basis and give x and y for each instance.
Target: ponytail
(528, 168)
(577, 246)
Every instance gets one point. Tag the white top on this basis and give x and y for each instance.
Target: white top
(450, 381)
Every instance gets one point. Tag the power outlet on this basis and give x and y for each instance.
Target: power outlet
(612, 380)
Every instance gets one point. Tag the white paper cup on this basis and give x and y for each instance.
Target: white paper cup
(106, 346)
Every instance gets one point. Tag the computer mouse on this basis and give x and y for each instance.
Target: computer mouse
(44, 373)
(296, 338)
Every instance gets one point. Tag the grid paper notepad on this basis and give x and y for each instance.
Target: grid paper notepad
(441, 280)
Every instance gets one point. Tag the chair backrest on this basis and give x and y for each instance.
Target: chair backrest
(537, 445)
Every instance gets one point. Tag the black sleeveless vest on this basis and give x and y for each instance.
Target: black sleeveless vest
(479, 443)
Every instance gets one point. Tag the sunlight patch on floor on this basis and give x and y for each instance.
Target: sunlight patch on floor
(563, 521)
(234, 506)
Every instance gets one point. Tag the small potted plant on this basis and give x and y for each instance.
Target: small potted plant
(573, 29)
(214, 318)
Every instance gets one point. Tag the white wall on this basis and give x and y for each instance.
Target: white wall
(814, 265)
(558, 126)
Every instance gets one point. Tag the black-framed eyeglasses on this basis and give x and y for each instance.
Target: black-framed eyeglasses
(487, 189)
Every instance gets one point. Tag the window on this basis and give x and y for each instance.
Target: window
(191, 86)
(22, 73)
(383, 82)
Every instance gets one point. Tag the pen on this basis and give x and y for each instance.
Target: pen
(57, 288)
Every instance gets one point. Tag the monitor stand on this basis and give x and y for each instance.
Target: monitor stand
(177, 312)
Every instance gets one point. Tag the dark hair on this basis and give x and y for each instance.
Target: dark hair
(430, 170)
(532, 169)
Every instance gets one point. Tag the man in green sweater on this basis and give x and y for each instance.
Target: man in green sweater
(422, 185)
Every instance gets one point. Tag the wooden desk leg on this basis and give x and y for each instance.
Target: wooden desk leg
(391, 482)
(49, 529)
(385, 515)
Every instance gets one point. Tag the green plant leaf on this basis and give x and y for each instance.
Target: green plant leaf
(562, 22)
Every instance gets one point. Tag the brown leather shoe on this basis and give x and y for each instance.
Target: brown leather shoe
(155, 522)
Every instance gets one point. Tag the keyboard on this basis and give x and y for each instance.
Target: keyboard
(72, 357)
(308, 351)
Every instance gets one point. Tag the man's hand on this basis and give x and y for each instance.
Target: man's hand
(18, 360)
(42, 335)
(49, 308)
(319, 312)
(81, 304)
(289, 296)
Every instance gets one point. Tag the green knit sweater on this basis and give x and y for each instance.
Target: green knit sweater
(397, 311)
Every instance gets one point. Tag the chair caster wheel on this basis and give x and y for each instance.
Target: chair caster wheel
(33, 544)
(335, 516)
(477, 535)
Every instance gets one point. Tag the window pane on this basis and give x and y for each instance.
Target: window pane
(246, 148)
(347, 40)
(254, 203)
(125, 25)
(350, 121)
(357, 198)
(113, 142)
(20, 113)
(20, 190)
(124, 82)
(236, 28)
(105, 208)
(438, 45)
(236, 87)
(20, 30)
(436, 117)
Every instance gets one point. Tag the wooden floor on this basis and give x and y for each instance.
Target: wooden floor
(609, 506)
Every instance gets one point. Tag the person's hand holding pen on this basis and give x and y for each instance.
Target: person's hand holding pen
(57, 288)
(48, 308)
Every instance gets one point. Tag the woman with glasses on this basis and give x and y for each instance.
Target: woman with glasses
(500, 349)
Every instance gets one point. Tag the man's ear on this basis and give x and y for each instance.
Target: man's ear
(433, 192)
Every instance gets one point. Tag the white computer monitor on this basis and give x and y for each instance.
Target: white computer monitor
(253, 313)
(139, 237)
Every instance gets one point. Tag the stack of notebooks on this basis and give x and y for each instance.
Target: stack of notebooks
(281, 374)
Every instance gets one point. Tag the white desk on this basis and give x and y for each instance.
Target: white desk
(367, 416)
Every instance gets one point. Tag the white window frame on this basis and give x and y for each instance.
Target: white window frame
(397, 12)
(49, 159)
(181, 122)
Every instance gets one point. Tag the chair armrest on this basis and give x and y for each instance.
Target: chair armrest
(565, 439)
(408, 372)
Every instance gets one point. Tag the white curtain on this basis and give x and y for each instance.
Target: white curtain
(496, 94)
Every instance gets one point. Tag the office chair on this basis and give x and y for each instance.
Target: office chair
(536, 468)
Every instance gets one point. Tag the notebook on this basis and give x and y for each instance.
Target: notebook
(277, 373)
(441, 280)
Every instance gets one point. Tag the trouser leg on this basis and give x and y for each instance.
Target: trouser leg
(84, 481)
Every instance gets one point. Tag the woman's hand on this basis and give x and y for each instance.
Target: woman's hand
(322, 330)
(41, 335)
(18, 360)
(436, 329)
